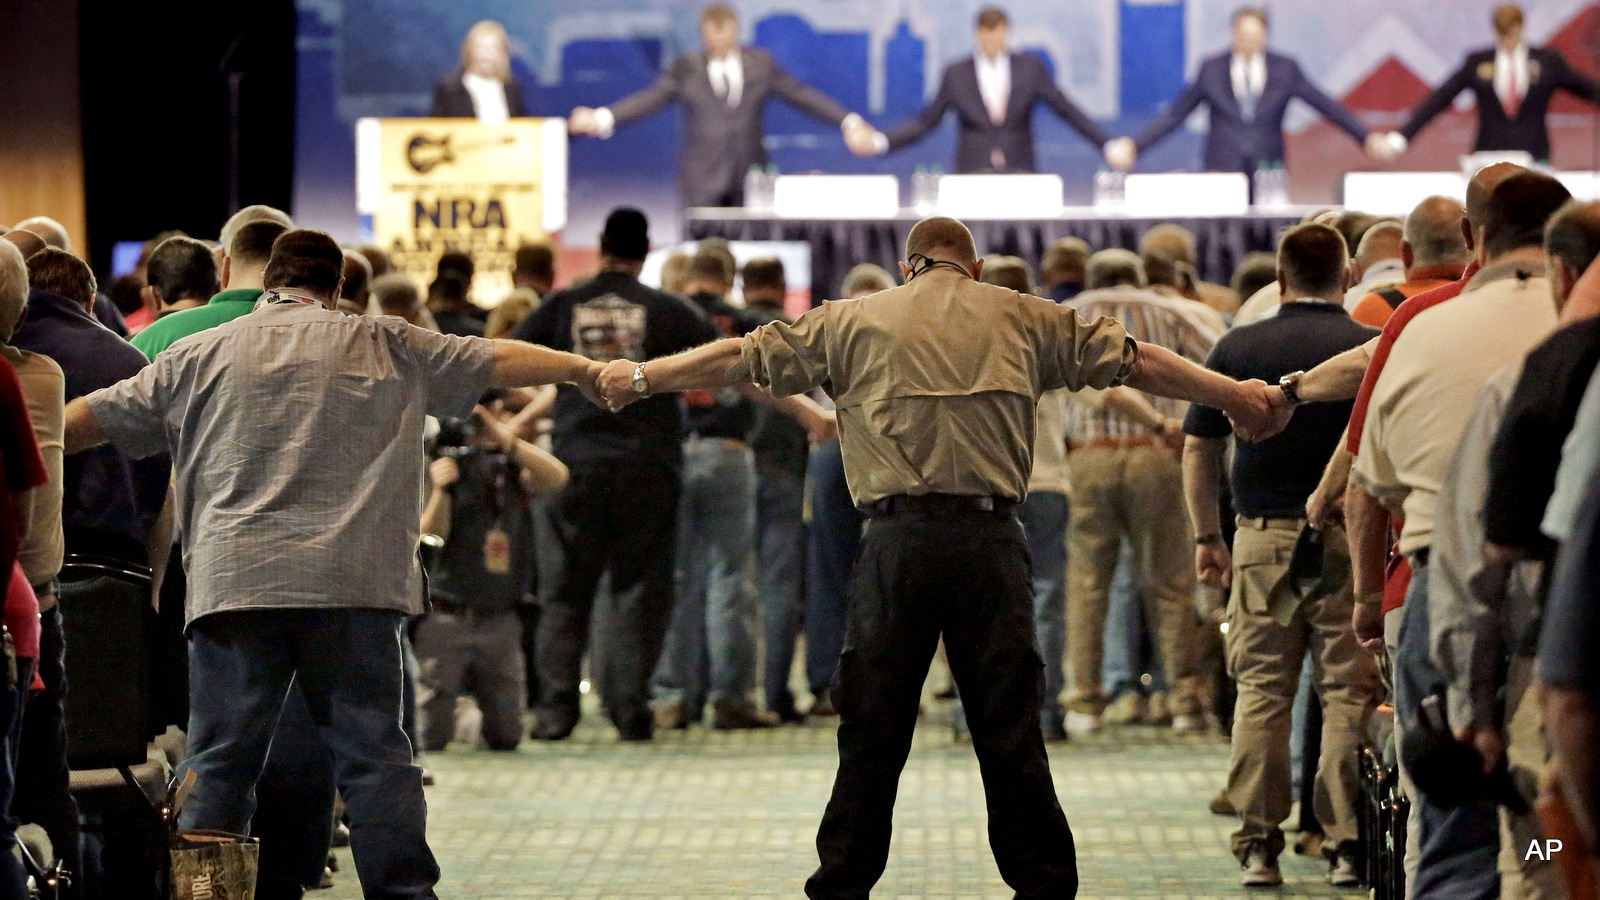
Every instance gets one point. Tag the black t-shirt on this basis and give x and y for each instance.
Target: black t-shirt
(1274, 478)
(1527, 448)
(781, 444)
(487, 562)
(456, 322)
(722, 413)
(614, 316)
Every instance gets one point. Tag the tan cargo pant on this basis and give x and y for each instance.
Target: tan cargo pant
(1265, 657)
(1138, 492)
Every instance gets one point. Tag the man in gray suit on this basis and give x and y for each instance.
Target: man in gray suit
(723, 90)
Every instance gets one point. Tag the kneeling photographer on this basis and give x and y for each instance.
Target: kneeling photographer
(479, 515)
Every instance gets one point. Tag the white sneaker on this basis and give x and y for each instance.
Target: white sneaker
(1082, 723)
(1343, 872)
(1188, 723)
(1260, 870)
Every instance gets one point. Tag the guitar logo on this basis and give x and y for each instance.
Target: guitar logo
(424, 153)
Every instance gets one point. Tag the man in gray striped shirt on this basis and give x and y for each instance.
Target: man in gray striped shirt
(1127, 482)
(296, 440)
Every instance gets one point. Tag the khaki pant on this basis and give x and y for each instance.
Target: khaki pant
(1137, 492)
(1265, 657)
(1525, 877)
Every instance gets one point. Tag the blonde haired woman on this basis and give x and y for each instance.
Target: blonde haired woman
(483, 88)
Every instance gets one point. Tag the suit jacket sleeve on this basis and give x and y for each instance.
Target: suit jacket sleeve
(917, 127)
(1438, 100)
(1069, 112)
(1168, 121)
(805, 98)
(1572, 80)
(667, 88)
(1330, 108)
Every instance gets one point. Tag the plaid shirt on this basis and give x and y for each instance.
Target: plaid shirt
(1151, 319)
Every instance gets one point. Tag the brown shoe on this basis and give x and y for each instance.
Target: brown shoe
(670, 716)
(1222, 806)
(727, 715)
(1309, 843)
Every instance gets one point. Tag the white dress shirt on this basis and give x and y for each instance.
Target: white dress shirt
(1249, 78)
(994, 84)
(727, 77)
(1511, 69)
(488, 98)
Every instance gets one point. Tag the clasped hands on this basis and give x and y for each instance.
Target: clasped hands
(1260, 410)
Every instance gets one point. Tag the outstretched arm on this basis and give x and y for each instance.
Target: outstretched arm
(719, 364)
(82, 431)
(1069, 112)
(1331, 109)
(917, 127)
(1576, 82)
(521, 364)
(1437, 102)
(1169, 121)
(1166, 374)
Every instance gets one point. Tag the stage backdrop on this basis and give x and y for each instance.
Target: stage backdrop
(1122, 60)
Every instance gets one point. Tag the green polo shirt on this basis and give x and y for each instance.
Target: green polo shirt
(168, 330)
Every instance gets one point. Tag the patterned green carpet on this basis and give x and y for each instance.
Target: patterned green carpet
(705, 814)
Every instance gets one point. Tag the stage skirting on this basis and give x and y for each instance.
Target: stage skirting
(838, 244)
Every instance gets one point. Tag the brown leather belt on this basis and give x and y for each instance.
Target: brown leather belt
(939, 504)
(1262, 524)
(1116, 443)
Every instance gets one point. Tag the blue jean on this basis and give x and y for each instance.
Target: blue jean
(780, 548)
(1132, 651)
(713, 619)
(1459, 846)
(1044, 516)
(13, 880)
(834, 538)
(348, 665)
(294, 805)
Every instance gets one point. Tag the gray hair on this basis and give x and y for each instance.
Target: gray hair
(256, 213)
(1109, 268)
(13, 288)
(865, 278)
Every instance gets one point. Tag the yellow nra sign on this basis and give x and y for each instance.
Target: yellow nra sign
(457, 185)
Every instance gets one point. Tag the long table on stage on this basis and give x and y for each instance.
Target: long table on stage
(838, 244)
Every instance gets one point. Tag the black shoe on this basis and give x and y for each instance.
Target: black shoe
(635, 725)
(789, 715)
(553, 727)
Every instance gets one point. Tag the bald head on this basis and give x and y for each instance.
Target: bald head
(53, 233)
(1433, 235)
(941, 237)
(1172, 241)
(1572, 244)
(1381, 242)
(25, 241)
(1481, 187)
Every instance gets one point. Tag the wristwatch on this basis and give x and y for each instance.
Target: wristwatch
(641, 384)
(1290, 385)
(1204, 539)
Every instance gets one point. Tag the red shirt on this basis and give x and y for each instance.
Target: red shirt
(1398, 577)
(22, 468)
(22, 614)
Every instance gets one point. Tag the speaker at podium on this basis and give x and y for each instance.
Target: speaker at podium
(425, 187)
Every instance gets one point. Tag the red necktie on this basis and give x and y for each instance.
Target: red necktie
(1513, 94)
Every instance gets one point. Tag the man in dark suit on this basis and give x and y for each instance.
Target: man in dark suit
(1513, 84)
(723, 90)
(483, 88)
(993, 93)
(1247, 92)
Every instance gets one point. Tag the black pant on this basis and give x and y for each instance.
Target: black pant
(967, 576)
(42, 796)
(619, 517)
